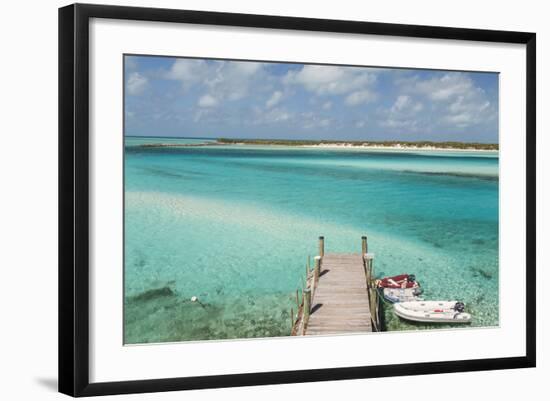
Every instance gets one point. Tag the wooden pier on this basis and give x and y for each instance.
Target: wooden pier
(339, 296)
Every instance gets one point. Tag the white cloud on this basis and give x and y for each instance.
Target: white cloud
(359, 97)
(439, 88)
(269, 116)
(280, 115)
(235, 79)
(311, 120)
(229, 80)
(401, 102)
(325, 122)
(246, 68)
(208, 101)
(330, 80)
(404, 114)
(469, 110)
(462, 119)
(136, 83)
(274, 99)
(446, 87)
(418, 107)
(188, 71)
(256, 93)
(130, 63)
(200, 114)
(411, 125)
(455, 101)
(404, 104)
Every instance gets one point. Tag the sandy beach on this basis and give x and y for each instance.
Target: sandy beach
(394, 147)
(351, 146)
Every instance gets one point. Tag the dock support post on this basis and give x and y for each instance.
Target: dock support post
(364, 246)
(321, 246)
(372, 291)
(368, 257)
(307, 308)
(317, 268)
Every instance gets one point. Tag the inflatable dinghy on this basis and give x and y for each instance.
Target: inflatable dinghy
(394, 295)
(432, 311)
(400, 281)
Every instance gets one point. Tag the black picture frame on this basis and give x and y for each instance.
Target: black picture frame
(74, 198)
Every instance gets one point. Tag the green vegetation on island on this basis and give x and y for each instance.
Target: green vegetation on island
(392, 144)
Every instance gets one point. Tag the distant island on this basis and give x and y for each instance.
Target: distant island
(334, 144)
(428, 145)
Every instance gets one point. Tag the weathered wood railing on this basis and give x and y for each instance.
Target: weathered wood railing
(355, 312)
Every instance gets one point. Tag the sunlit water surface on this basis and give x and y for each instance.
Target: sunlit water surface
(234, 225)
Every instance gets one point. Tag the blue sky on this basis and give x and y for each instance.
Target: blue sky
(167, 96)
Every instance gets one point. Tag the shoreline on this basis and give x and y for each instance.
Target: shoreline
(395, 147)
(370, 144)
(348, 146)
(329, 146)
(389, 145)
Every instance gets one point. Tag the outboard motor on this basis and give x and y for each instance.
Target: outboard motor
(459, 307)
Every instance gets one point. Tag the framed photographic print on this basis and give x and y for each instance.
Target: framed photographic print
(250, 199)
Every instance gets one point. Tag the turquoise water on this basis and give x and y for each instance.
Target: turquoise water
(234, 225)
(140, 140)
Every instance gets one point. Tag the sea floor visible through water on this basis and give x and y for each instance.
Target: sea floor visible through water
(234, 226)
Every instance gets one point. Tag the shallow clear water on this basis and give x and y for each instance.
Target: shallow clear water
(234, 225)
(142, 140)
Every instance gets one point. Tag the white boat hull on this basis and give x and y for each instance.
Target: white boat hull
(431, 312)
(394, 295)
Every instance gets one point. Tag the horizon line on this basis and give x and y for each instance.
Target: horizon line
(308, 139)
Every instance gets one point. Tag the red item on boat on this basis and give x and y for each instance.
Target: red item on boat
(385, 282)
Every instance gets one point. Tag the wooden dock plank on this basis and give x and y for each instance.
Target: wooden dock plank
(340, 301)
